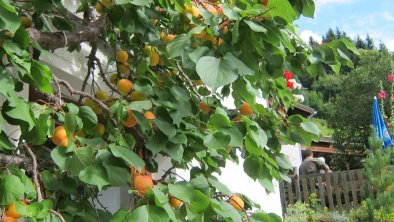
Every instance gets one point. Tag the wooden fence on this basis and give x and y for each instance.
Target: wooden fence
(337, 191)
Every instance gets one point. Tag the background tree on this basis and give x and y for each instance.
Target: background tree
(167, 60)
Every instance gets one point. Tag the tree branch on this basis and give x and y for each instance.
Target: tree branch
(84, 94)
(184, 75)
(58, 215)
(35, 171)
(102, 75)
(90, 64)
(55, 40)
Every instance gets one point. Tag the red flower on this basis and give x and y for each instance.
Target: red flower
(392, 97)
(288, 75)
(289, 84)
(382, 95)
(390, 77)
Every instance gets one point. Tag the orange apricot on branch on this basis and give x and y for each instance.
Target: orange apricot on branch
(11, 211)
(204, 107)
(59, 137)
(9, 219)
(122, 56)
(124, 68)
(143, 183)
(237, 202)
(175, 202)
(102, 95)
(154, 58)
(99, 129)
(245, 109)
(130, 121)
(149, 115)
(137, 96)
(124, 86)
(264, 2)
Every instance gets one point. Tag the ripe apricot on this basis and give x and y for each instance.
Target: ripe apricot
(130, 121)
(124, 86)
(25, 22)
(122, 56)
(170, 37)
(163, 36)
(97, 109)
(225, 29)
(10, 211)
(211, 9)
(220, 10)
(124, 68)
(148, 49)
(59, 137)
(9, 219)
(204, 107)
(99, 129)
(102, 95)
(245, 109)
(237, 202)
(137, 96)
(149, 115)
(175, 203)
(154, 58)
(143, 183)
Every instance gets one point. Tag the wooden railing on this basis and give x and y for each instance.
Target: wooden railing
(338, 191)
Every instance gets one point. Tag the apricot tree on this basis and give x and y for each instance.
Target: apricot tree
(159, 91)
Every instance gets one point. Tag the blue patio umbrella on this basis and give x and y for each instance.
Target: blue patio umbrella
(378, 124)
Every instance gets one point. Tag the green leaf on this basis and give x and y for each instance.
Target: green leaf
(82, 157)
(70, 121)
(22, 38)
(41, 76)
(308, 8)
(182, 191)
(216, 72)
(226, 210)
(134, 2)
(88, 117)
(29, 188)
(217, 141)
(235, 135)
(283, 162)
(95, 175)
(196, 54)
(140, 106)
(7, 83)
(219, 186)
(177, 46)
(175, 151)
(310, 127)
(266, 180)
(156, 143)
(11, 189)
(200, 202)
(9, 19)
(255, 27)
(58, 155)
(252, 166)
(148, 214)
(118, 172)
(127, 155)
(219, 121)
(5, 144)
(282, 9)
(19, 110)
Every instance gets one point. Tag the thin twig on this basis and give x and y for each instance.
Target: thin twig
(84, 94)
(187, 79)
(59, 95)
(102, 75)
(90, 64)
(166, 173)
(35, 172)
(58, 215)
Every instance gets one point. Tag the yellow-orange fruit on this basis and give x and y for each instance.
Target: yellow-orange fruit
(170, 37)
(143, 183)
(97, 109)
(25, 22)
(154, 58)
(137, 96)
(198, 82)
(113, 79)
(9, 219)
(225, 29)
(130, 121)
(204, 107)
(245, 109)
(124, 68)
(124, 86)
(211, 9)
(175, 203)
(122, 56)
(106, 3)
(220, 10)
(148, 49)
(59, 137)
(149, 115)
(102, 95)
(163, 36)
(154, 21)
(237, 202)
(89, 102)
(80, 133)
(10, 211)
(99, 129)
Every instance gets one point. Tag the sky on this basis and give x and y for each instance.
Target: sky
(355, 17)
